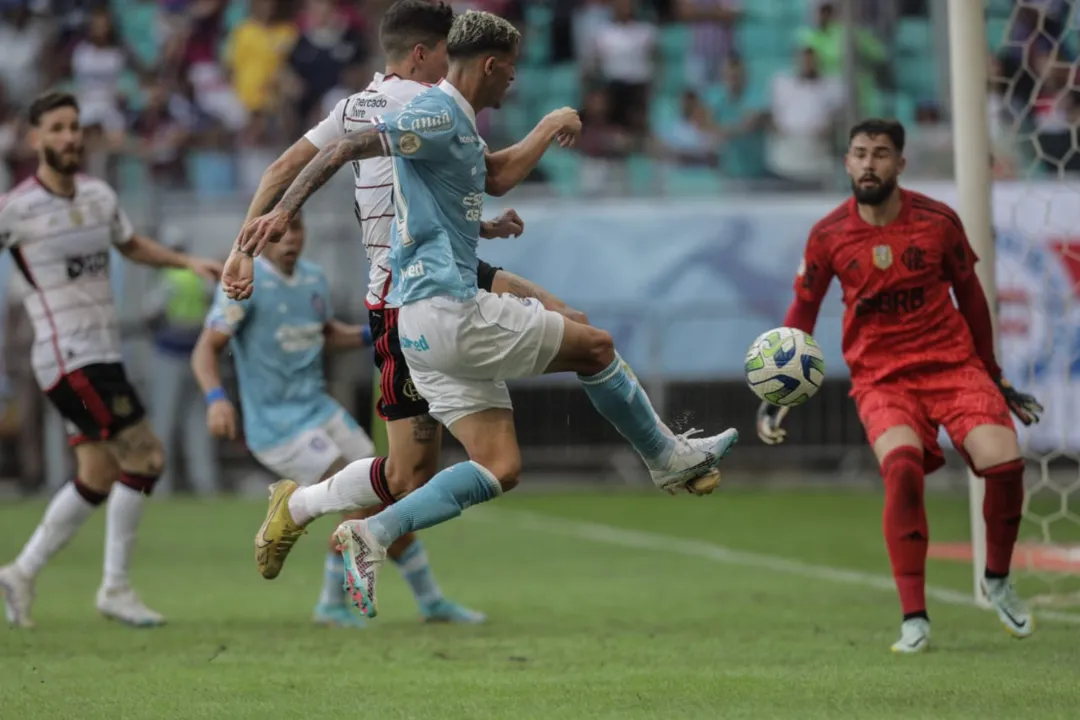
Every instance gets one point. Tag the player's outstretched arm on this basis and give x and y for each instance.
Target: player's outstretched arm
(343, 336)
(220, 413)
(270, 227)
(149, 252)
(506, 169)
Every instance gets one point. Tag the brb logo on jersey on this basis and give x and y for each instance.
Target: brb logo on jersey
(92, 264)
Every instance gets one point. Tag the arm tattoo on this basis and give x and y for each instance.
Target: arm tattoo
(523, 288)
(353, 146)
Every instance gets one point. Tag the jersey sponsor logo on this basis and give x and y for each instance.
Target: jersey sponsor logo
(474, 204)
(419, 345)
(425, 121)
(409, 143)
(914, 258)
(882, 257)
(91, 264)
(413, 271)
(318, 444)
(466, 139)
(299, 338)
(891, 302)
(371, 102)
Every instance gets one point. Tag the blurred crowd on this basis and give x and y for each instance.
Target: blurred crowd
(198, 95)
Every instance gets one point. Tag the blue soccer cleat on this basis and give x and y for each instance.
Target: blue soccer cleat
(337, 616)
(447, 611)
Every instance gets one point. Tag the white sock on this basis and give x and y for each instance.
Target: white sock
(121, 529)
(66, 513)
(354, 488)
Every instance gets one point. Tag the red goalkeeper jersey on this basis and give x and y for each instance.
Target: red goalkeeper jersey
(899, 314)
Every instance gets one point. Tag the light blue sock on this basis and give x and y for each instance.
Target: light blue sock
(619, 397)
(332, 592)
(416, 570)
(443, 498)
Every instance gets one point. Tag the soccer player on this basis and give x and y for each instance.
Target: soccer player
(918, 362)
(461, 343)
(291, 425)
(413, 36)
(60, 226)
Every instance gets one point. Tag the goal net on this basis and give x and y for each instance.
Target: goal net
(1030, 196)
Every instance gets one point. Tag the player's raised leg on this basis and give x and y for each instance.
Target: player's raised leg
(675, 461)
(141, 459)
(66, 513)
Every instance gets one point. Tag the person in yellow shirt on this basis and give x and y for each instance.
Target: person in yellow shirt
(256, 50)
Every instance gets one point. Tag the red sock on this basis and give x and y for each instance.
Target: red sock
(1002, 506)
(904, 523)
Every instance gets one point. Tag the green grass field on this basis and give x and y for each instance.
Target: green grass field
(601, 606)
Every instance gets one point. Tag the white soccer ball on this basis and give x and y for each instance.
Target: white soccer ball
(785, 367)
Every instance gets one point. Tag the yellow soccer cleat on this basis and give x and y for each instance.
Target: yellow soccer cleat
(279, 532)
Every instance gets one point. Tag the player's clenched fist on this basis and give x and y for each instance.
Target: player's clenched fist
(769, 417)
(1024, 406)
(238, 276)
(221, 419)
(509, 224)
(567, 125)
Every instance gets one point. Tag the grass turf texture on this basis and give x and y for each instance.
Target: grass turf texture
(578, 629)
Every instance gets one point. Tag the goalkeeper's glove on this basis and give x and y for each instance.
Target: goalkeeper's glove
(1025, 407)
(769, 417)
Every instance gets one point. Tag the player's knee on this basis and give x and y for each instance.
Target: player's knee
(506, 469)
(990, 446)
(599, 352)
(154, 459)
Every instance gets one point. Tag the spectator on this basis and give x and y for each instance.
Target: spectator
(161, 136)
(624, 60)
(714, 24)
(804, 110)
(605, 147)
(196, 51)
(353, 80)
(693, 140)
(24, 39)
(320, 56)
(257, 49)
(826, 39)
(97, 65)
(742, 111)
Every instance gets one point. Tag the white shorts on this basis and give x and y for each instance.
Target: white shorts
(461, 352)
(306, 457)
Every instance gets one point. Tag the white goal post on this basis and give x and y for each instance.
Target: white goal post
(972, 153)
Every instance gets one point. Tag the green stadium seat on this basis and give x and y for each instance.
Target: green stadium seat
(995, 32)
(914, 36)
(674, 42)
(692, 182)
(641, 172)
(563, 167)
(918, 77)
(563, 85)
(763, 39)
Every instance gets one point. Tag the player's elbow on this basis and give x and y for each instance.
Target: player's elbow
(495, 186)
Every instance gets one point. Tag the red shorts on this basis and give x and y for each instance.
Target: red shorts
(958, 399)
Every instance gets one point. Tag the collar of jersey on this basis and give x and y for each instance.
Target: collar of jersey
(273, 269)
(452, 91)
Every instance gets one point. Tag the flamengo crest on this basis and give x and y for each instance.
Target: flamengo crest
(882, 257)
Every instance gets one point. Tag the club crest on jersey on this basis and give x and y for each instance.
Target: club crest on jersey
(122, 406)
(882, 257)
(409, 143)
(411, 392)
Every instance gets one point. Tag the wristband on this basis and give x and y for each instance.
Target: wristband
(365, 334)
(216, 394)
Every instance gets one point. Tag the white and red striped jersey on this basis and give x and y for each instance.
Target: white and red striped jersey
(61, 248)
(374, 178)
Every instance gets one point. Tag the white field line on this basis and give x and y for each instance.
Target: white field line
(641, 540)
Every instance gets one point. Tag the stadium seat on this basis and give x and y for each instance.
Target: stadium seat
(693, 182)
(641, 173)
(674, 40)
(757, 39)
(914, 36)
(564, 85)
(918, 77)
(996, 30)
(564, 169)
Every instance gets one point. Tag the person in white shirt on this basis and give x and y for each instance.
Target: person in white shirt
(60, 227)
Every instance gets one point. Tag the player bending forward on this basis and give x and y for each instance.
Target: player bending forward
(290, 424)
(60, 227)
(413, 36)
(462, 343)
(918, 362)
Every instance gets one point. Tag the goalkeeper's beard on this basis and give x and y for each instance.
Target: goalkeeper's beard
(873, 195)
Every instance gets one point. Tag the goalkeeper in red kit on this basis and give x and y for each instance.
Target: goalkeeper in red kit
(918, 361)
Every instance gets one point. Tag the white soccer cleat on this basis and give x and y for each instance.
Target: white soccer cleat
(364, 557)
(123, 605)
(1011, 609)
(18, 593)
(692, 465)
(914, 637)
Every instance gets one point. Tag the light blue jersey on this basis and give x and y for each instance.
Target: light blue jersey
(277, 344)
(439, 176)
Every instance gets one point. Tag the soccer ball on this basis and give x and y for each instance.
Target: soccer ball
(785, 367)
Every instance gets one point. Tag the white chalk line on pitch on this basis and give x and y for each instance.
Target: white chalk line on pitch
(642, 540)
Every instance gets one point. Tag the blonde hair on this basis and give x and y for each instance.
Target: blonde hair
(475, 32)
